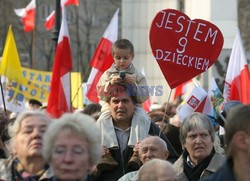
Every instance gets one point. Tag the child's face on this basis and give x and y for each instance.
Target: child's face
(122, 58)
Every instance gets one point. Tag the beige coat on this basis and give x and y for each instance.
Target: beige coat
(140, 81)
(214, 165)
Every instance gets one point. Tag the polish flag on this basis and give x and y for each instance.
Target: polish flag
(28, 15)
(147, 104)
(50, 21)
(198, 101)
(102, 58)
(237, 83)
(59, 97)
(72, 2)
(181, 89)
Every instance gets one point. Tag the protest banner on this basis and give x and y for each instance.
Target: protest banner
(37, 86)
(183, 48)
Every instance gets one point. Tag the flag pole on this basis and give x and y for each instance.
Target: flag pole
(70, 92)
(57, 21)
(77, 92)
(33, 55)
(4, 106)
(165, 112)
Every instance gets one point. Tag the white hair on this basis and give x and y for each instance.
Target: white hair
(15, 127)
(163, 144)
(79, 124)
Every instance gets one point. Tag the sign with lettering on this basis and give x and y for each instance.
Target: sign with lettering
(182, 47)
(36, 85)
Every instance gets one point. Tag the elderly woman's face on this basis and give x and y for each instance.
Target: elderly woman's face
(28, 141)
(70, 156)
(198, 144)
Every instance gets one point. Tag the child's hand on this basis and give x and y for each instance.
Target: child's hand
(129, 79)
(116, 80)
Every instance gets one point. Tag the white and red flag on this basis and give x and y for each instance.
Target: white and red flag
(50, 21)
(102, 58)
(237, 83)
(147, 104)
(71, 2)
(181, 89)
(59, 98)
(198, 101)
(28, 15)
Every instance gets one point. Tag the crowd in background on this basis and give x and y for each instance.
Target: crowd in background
(33, 152)
(118, 140)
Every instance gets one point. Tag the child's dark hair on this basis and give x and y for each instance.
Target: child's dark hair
(123, 44)
(118, 90)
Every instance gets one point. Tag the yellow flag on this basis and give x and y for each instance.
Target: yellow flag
(10, 66)
(76, 90)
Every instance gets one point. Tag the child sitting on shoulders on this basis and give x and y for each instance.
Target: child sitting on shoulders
(122, 71)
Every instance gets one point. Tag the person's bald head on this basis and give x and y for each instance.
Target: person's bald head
(153, 147)
(157, 170)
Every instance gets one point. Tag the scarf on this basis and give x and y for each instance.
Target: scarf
(19, 174)
(194, 172)
(140, 125)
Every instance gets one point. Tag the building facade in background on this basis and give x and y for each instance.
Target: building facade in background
(137, 17)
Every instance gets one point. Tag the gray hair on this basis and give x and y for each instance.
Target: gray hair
(79, 124)
(14, 129)
(163, 144)
(238, 119)
(193, 121)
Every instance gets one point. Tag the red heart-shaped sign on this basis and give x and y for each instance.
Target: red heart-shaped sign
(183, 48)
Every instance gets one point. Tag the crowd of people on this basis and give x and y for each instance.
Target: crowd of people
(118, 140)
